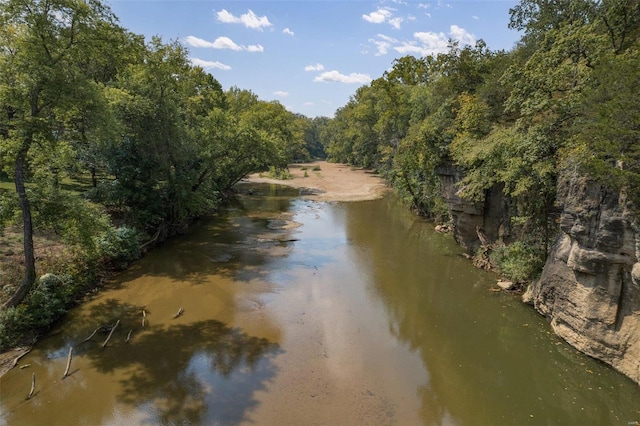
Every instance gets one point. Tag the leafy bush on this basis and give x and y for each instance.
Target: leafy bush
(518, 262)
(11, 326)
(119, 245)
(47, 301)
(280, 174)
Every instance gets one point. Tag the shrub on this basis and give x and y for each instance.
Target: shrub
(280, 174)
(47, 302)
(518, 262)
(11, 326)
(119, 245)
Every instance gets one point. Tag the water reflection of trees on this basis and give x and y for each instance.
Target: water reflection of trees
(199, 373)
(490, 359)
(237, 242)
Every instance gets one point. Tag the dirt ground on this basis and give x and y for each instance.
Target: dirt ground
(332, 182)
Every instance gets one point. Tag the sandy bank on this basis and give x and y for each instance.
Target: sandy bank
(333, 182)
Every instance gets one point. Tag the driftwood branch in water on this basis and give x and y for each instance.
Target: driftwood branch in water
(144, 317)
(151, 240)
(180, 311)
(33, 385)
(66, 371)
(92, 334)
(15, 361)
(128, 336)
(110, 334)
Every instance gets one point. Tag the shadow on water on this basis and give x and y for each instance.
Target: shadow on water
(199, 373)
(490, 358)
(238, 242)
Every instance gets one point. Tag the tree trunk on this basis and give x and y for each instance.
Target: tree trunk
(29, 256)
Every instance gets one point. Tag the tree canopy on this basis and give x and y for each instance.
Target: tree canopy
(565, 96)
(158, 138)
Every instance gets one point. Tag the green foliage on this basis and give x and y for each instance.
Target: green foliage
(280, 174)
(607, 130)
(120, 246)
(519, 261)
(47, 301)
(8, 209)
(12, 326)
(64, 214)
(44, 304)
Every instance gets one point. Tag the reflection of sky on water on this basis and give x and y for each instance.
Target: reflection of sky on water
(364, 306)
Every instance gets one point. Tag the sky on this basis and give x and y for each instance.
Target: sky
(311, 56)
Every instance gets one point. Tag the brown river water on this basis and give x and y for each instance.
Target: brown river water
(297, 312)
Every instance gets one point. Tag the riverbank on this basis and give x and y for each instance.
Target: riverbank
(324, 181)
(320, 180)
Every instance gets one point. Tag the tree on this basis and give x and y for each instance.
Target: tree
(45, 45)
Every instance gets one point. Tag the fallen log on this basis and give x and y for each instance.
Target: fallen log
(66, 371)
(92, 334)
(15, 361)
(180, 312)
(33, 385)
(110, 334)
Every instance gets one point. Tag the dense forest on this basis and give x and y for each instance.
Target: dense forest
(113, 143)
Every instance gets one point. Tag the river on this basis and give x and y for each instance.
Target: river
(295, 312)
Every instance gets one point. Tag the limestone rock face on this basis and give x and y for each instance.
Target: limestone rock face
(474, 220)
(590, 285)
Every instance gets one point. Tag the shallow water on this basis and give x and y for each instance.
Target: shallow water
(297, 312)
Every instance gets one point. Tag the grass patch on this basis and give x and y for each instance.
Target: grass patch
(316, 168)
(280, 174)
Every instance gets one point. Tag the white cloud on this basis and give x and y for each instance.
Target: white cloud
(221, 43)
(249, 19)
(378, 17)
(382, 15)
(395, 22)
(308, 103)
(316, 67)
(338, 77)
(254, 48)
(462, 35)
(475, 17)
(209, 64)
(281, 93)
(287, 31)
(384, 44)
(431, 43)
(424, 43)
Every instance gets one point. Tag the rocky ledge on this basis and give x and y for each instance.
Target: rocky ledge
(590, 285)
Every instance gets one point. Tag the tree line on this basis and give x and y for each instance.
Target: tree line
(566, 97)
(157, 141)
(154, 140)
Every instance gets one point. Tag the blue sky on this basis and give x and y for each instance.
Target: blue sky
(311, 56)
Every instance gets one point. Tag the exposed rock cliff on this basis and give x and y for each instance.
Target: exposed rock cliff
(473, 221)
(590, 285)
